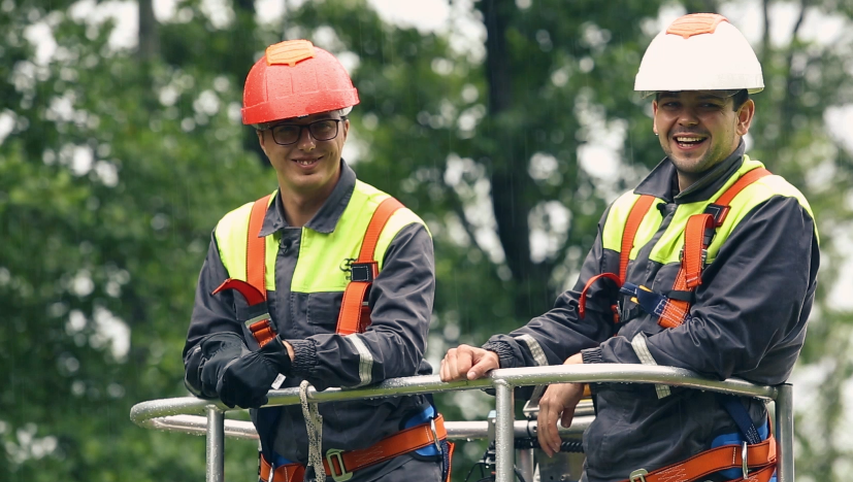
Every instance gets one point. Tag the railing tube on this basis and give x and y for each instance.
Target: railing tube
(215, 451)
(785, 433)
(504, 439)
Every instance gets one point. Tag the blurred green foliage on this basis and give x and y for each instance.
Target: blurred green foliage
(116, 164)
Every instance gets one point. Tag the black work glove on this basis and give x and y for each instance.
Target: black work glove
(214, 353)
(246, 381)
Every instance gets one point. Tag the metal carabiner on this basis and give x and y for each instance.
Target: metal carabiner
(745, 462)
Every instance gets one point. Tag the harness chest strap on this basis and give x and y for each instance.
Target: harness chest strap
(339, 465)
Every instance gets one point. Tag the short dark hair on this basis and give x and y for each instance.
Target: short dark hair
(739, 99)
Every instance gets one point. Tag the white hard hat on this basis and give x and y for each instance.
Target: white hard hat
(701, 51)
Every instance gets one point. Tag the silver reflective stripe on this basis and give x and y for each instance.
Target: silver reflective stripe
(535, 349)
(646, 358)
(365, 366)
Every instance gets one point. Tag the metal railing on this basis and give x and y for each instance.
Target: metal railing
(182, 414)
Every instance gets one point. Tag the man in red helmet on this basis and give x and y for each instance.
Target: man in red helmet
(326, 281)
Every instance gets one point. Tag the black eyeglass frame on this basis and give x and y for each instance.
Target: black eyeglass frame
(309, 126)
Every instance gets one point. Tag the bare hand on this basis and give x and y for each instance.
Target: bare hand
(466, 362)
(558, 402)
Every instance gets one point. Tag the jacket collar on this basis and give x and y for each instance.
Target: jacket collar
(662, 182)
(326, 218)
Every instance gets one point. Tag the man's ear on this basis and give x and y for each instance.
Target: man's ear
(655, 116)
(260, 137)
(346, 128)
(744, 117)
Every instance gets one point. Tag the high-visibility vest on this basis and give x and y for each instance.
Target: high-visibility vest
(363, 233)
(693, 238)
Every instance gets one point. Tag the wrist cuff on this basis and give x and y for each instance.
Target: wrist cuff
(591, 355)
(504, 351)
(304, 357)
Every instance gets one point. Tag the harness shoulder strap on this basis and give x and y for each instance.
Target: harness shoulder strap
(256, 265)
(632, 225)
(354, 316)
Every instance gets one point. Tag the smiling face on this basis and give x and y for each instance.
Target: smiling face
(308, 168)
(699, 129)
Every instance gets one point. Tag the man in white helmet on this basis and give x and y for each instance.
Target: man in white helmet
(709, 264)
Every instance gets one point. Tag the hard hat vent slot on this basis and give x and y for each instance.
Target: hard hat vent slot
(289, 52)
(696, 24)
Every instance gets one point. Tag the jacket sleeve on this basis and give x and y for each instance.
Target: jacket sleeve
(211, 315)
(749, 316)
(401, 299)
(560, 333)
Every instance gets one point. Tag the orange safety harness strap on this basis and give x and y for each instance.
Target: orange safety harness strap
(256, 267)
(339, 465)
(698, 234)
(354, 316)
(759, 467)
(635, 218)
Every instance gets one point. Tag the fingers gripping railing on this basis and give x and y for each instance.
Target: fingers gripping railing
(181, 414)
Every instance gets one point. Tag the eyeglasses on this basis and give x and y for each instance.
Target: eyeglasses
(321, 130)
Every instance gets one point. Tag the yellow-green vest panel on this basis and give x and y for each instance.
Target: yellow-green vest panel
(667, 249)
(321, 256)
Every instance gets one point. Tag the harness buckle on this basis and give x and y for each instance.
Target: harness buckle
(745, 464)
(435, 440)
(638, 475)
(333, 455)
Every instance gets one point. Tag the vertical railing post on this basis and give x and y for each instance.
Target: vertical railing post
(526, 463)
(785, 431)
(215, 452)
(504, 434)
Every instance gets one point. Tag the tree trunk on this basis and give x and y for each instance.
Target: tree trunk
(149, 38)
(511, 184)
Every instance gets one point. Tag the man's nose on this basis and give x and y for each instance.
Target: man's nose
(306, 140)
(687, 117)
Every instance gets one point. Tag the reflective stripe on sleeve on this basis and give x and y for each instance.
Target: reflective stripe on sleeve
(365, 365)
(646, 358)
(535, 349)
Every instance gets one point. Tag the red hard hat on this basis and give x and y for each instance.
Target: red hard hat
(295, 79)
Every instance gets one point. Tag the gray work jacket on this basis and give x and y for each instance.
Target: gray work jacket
(748, 320)
(401, 299)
